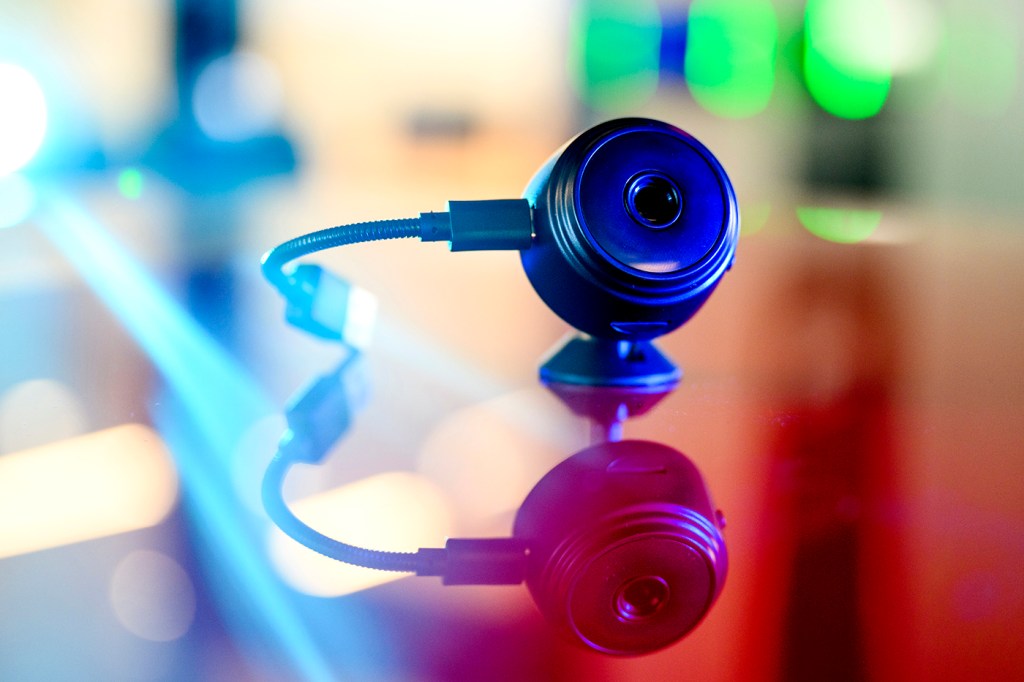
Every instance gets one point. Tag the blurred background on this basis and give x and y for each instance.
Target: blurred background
(853, 391)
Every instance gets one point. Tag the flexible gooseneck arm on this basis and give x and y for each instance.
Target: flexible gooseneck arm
(495, 224)
(423, 562)
(275, 260)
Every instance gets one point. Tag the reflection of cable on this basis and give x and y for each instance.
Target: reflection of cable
(273, 501)
(462, 561)
(317, 418)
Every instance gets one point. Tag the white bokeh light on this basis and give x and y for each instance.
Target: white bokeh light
(17, 199)
(22, 117)
(37, 412)
(237, 97)
(152, 596)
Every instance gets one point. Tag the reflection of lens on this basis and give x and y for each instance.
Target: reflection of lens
(653, 200)
(641, 598)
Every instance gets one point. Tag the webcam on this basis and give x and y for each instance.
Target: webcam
(635, 224)
(624, 233)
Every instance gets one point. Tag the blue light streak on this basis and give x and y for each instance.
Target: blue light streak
(221, 401)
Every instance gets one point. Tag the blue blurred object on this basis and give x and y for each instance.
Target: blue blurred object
(672, 52)
(206, 32)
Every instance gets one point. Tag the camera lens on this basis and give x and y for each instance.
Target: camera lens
(653, 200)
(641, 598)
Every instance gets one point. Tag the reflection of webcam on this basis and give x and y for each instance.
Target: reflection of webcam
(626, 554)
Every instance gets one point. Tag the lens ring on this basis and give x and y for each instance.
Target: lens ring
(653, 199)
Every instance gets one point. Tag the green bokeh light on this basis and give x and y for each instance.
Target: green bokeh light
(730, 55)
(129, 183)
(840, 225)
(847, 56)
(754, 218)
(614, 52)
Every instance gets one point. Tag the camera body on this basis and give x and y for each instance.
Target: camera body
(635, 222)
(626, 552)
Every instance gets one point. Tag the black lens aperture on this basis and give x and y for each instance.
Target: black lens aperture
(641, 598)
(653, 200)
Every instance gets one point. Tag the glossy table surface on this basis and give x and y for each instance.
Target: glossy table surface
(856, 409)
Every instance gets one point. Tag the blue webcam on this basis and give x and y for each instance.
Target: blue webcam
(635, 223)
(624, 233)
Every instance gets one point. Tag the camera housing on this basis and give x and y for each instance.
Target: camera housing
(635, 222)
(626, 552)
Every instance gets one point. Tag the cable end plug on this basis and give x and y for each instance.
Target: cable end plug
(476, 561)
(488, 225)
(329, 307)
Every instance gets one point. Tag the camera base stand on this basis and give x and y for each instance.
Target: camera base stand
(588, 361)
